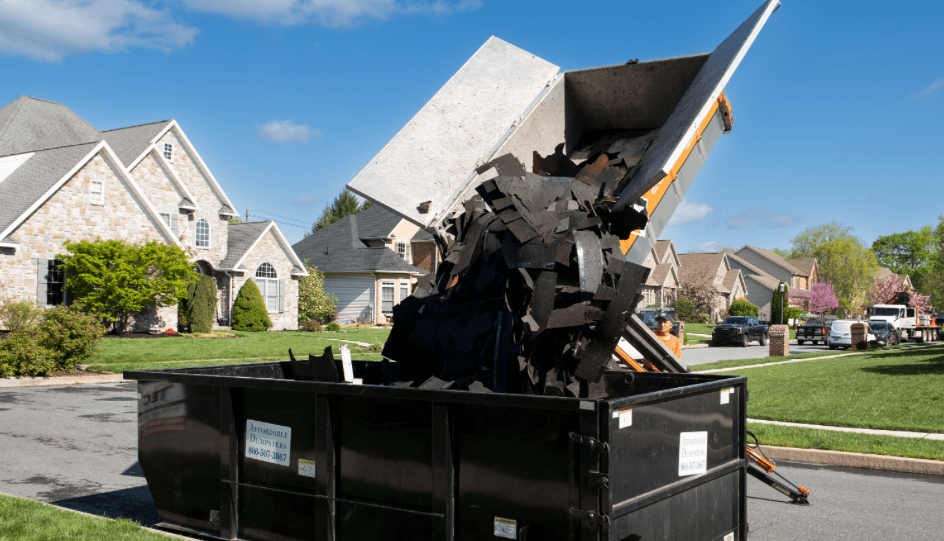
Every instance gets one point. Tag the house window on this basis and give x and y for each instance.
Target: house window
(404, 291)
(55, 283)
(168, 152)
(386, 298)
(401, 249)
(203, 233)
(165, 217)
(97, 192)
(267, 280)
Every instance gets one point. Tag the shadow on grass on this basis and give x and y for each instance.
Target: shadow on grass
(932, 366)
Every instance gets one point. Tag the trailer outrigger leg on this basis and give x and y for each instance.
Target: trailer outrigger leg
(763, 468)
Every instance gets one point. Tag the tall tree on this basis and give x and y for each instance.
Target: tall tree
(906, 253)
(843, 260)
(344, 204)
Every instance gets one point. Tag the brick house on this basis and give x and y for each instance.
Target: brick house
(370, 261)
(62, 179)
(661, 287)
(716, 269)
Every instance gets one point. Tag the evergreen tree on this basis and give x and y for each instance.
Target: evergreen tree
(776, 305)
(249, 313)
(201, 304)
(344, 204)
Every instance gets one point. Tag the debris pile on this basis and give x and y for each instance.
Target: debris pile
(534, 289)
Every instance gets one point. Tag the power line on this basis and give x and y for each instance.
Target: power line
(297, 223)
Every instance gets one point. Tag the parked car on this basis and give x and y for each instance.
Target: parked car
(840, 334)
(813, 330)
(885, 333)
(739, 330)
(649, 318)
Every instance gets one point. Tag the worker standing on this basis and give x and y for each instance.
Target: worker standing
(664, 332)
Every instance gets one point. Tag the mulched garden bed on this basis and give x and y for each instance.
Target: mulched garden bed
(141, 335)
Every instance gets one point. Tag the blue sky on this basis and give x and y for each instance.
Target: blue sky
(838, 106)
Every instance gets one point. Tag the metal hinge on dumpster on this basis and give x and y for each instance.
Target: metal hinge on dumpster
(590, 516)
(592, 443)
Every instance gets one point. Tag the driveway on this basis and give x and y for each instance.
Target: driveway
(76, 446)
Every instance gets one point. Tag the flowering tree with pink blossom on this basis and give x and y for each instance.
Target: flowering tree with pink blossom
(817, 300)
(883, 289)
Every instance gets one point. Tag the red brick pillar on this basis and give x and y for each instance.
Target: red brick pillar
(859, 335)
(779, 340)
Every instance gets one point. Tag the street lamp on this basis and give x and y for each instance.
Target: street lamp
(781, 288)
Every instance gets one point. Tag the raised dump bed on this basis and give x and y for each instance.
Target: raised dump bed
(246, 451)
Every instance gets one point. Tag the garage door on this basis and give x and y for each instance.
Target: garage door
(355, 295)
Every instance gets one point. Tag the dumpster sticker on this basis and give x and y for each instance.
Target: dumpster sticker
(625, 417)
(693, 453)
(506, 528)
(725, 396)
(306, 467)
(268, 442)
(729, 537)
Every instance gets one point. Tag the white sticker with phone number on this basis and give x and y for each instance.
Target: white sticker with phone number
(506, 528)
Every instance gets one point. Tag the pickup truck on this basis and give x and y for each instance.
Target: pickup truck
(740, 330)
(814, 330)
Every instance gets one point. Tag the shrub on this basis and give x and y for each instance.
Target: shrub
(249, 313)
(702, 318)
(201, 304)
(313, 302)
(311, 326)
(743, 307)
(70, 336)
(685, 309)
(19, 314)
(333, 326)
(22, 355)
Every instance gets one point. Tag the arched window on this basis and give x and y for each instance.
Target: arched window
(203, 233)
(267, 280)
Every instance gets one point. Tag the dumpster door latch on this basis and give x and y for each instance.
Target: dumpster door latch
(592, 443)
(598, 480)
(590, 516)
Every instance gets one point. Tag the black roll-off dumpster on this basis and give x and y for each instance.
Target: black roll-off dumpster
(246, 451)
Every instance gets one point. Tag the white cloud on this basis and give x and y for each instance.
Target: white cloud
(710, 246)
(762, 217)
(284, 131)
(928, 90)
(688, 212)
(305, 200)
(51, 30)
(327, 12)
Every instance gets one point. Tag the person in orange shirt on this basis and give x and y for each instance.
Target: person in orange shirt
(664, 332)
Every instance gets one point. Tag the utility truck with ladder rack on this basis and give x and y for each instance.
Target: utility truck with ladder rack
(905, 319)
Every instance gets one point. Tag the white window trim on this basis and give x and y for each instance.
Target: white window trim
(400, 286)
(162, 215)
(269, 282)
(168, 147)
(101, 194)
(196, 242)
(406, 250)
(393, 285)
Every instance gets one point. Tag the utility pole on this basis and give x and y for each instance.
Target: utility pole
(247, 215)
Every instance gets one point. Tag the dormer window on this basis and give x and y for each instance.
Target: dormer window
(97, 192)
(168, 152)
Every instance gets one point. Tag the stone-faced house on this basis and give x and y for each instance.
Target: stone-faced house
(662, 285)
(370, 261)
(715, 269)
(62, 179)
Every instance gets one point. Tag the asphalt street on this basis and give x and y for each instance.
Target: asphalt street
(76, 446)
(695, 356)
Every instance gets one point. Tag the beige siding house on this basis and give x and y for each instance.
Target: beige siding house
(716, 270)
(661, 288)
(62, 179)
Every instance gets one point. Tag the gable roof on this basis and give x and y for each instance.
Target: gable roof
(29, 124)
(744, 263)
(338, 248)
(774, 258)
(730, 280)
(376, 222)
(132, 142)
(242, 237)
(767, 281)
(660, 274)
(804, 264)
(694, 266)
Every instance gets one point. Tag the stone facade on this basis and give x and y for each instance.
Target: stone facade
(70, 215)
(268, 250)
(164, 195)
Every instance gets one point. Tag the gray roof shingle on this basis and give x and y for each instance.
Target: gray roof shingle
(240, 238)
(29, 124)
(35, 177)
(337, 248)
(776, 259)
(129, 143)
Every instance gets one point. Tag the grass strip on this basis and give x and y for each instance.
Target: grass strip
(28, 520)
(850, 442)
(122, 367)
(246, 345)
(903, 390)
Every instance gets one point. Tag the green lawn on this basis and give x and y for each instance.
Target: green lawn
(247, 345)
(807, 438)
(903, 390)
(27, 520)
(122, 367)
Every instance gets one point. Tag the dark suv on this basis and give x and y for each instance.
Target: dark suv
(739, 330)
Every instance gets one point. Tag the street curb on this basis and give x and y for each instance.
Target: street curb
(66, 380)
(856, 460)
(694, 346)
(76, 511)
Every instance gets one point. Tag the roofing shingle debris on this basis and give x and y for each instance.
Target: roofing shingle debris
(534, 290)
